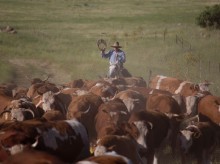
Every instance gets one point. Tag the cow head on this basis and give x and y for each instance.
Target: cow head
(37, 80)
(187, 136)
(22, 103)
(143, 130)
(19, 110)
(14, 141)
(191, 105)
(21, 114)
(48, 100)
(104, 90)
(204, 86)
(40, 88)
(116, 116)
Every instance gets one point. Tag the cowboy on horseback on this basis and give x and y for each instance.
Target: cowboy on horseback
(116, 59)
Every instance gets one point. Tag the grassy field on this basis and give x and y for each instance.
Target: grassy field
(58, 37)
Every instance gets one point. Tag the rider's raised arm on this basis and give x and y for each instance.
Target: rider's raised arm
(106, 55)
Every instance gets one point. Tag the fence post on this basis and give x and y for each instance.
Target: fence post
(209, 66)
(200, 68)
(182, 42)
(219, 67)
(149, 77)
(164, 34)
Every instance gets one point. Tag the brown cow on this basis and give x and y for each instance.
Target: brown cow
(142, 90)
(33, 157)
(153, 129)
(40, 88)
(21, 109)
(55, 101)
(133, 100)
(123, 145)
(5, 100)
(78, 83)
(127, 81)
(198, 140)
(209, 109)
(74, 92)
(177, 86)
(84, 108)
(7, 88)
(110, 116)
(7, 150)
(163, 103)
(53, 115)
(146, 92)
(68, 140)
(104, 89)
(19, 92)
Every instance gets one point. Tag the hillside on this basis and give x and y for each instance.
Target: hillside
(59, 38)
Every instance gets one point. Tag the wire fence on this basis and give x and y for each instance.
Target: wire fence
(197, 68)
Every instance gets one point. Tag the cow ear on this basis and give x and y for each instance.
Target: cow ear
(131, 129)
(105, 111)
(181, 132)
(111, 148)
(196, 87)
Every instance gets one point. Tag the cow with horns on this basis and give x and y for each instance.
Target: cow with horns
(198, 140)
(66, 139)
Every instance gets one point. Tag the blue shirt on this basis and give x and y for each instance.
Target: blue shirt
(115, 57)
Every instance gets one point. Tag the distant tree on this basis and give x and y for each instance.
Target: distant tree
(210, 17)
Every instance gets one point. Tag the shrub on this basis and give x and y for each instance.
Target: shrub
(210, 17)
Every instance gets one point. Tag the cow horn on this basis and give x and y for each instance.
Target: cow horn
(196, 130)
(3, 147)
(46, 78)
(57, 93)
(192, 127)
(196, 87)
(28, 78)
(124, 112)
(29, 110)
(35, 143)
(39, 103)
(87, 110)
(5, 111)
(171, 115)
(114, 95)
(36, 97)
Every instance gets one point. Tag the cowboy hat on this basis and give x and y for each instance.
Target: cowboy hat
(116, 45)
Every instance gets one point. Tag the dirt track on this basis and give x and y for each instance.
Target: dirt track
(36, 68)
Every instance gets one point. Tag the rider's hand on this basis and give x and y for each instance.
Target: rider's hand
(103, 50)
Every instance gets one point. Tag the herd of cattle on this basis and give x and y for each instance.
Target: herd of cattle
(109, 121)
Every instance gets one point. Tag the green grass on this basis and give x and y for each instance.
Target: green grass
(59, 37)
